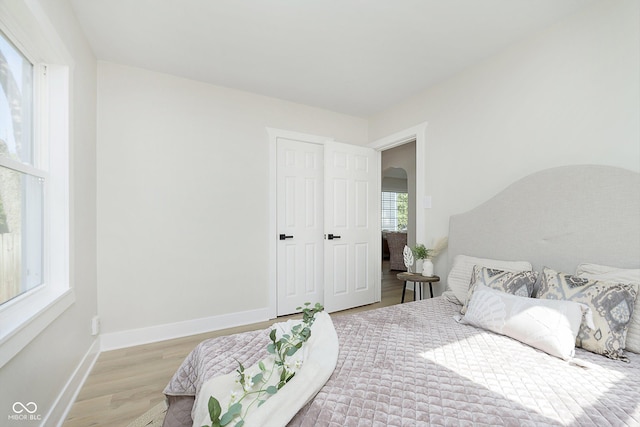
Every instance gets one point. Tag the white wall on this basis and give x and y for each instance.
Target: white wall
(568, 95)
(183, 195)
(41, 371)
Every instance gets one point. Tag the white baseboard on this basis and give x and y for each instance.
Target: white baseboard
(67, 396)
(133, 337)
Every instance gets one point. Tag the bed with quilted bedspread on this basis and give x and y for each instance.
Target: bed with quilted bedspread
(414, 365)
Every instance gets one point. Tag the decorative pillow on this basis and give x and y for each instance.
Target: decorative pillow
(618, 275)
(519, 283)
(611, 303)
(550, 326)
(460, 275)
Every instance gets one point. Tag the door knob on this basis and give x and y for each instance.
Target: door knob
(332, 236)
(283, 237)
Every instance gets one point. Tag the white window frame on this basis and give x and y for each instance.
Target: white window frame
(23, 318)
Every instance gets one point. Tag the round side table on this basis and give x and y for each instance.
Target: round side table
(417, 278)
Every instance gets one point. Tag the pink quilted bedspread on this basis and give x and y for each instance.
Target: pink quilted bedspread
(413, 365)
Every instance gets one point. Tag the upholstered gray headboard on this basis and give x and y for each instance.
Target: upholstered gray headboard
(558, 218)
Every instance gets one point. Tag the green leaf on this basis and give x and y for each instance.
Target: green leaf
(233, 411)
(226, 419)
(272, 335)
(240, 376)
(257, 378)
(271, 348)
(289, 377)
(240, 423)
(261, 366)
(292, 351)
(272, 389)
(214, 409)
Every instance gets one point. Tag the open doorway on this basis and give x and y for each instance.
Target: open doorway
(416, 136)
(398, 201)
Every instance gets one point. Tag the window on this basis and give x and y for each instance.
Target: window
(394, 211)
(22, 180)
(34, 176)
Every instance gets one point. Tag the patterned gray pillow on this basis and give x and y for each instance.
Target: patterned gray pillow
(519, 283)
(611, 304)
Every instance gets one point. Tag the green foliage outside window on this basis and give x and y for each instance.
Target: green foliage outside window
(402, 200)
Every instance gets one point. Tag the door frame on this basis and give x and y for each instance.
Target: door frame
(418, 134)
(274, 134)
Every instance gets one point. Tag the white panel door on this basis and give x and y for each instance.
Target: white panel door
(300, 194)
(352, 232)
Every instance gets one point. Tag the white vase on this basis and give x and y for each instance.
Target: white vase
(427, 268)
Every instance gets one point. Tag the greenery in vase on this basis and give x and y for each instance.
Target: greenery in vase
(421, 252)
(254, 387)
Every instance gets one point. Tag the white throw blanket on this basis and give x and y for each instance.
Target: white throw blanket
(318, 356)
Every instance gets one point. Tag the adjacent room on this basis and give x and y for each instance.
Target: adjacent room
(178, 176)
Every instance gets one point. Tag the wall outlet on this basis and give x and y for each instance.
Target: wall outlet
(95, 325)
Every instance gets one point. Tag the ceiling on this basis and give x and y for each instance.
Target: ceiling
(356, 57)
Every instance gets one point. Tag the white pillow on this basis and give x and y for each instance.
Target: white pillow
(625, 275)
(460, 275)
(618, 275)
(548, 325)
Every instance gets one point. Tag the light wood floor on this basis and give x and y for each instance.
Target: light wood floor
(126, 383)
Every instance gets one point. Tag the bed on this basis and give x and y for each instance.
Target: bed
(413, 364)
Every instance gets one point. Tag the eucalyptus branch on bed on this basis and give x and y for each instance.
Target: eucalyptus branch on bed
(255, 387)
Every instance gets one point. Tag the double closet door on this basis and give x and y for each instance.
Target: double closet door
(327, 222)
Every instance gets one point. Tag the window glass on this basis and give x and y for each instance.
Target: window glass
(394, 211)
(21, 186)
(21, 233)
(16, 103)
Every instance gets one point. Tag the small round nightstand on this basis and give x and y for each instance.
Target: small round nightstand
(417, 278)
